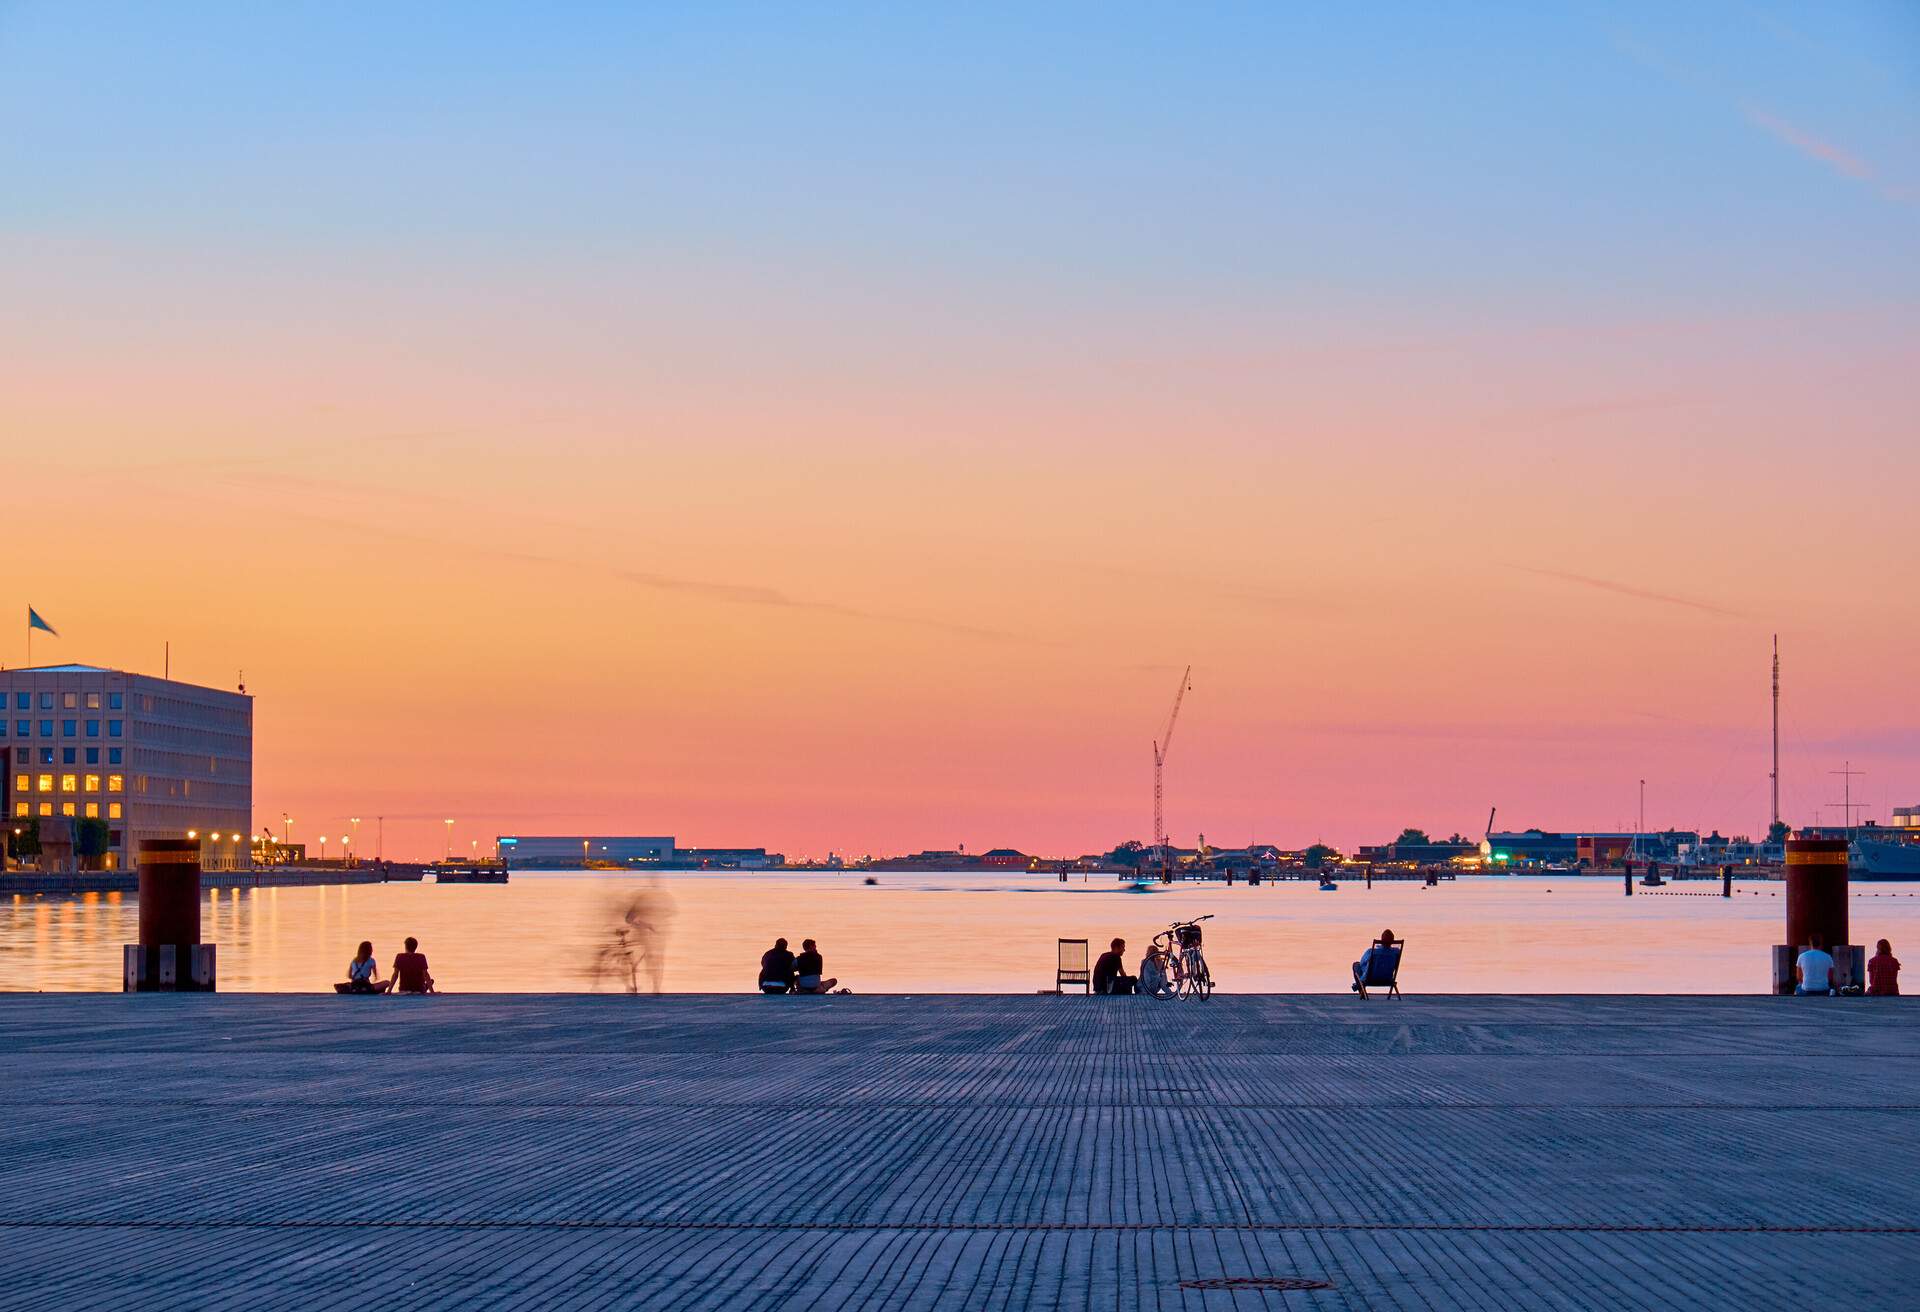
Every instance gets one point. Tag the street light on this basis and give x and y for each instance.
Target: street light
(449, 840)
(355, 822)
(323, 847)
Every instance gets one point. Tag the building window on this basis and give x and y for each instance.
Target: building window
(93, 756)
(69, 728)
(46, 701)
(93, 783)
(67, 755)
(46, 808)
(68, 701)
(93, 810)
(46, 783)
(93, 701)
(113, 728)
(22, 702)
(20, 782)
(46, 728)
(69, 783)
(113, 810)
(113, 701)
(46, 756)
(113, 756)
(93, 728)
(22, 727)
(67, 808)
(116, 783)
(19, 808)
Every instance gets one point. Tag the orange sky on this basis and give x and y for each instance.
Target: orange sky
(815, 518)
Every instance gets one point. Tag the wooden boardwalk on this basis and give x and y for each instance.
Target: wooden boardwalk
(274, 1152)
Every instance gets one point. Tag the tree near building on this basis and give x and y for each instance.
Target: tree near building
(90, 837)
(1409, 837)
(23, 839)
(1319, 854)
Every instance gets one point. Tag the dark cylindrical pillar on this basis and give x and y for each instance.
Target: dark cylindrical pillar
(1726, 881)
(1816, 891)
(170, 893)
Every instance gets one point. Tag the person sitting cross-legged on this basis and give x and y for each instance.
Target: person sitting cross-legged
(1110, 971)
(1813, 971)
(410, 970)
(807, 968)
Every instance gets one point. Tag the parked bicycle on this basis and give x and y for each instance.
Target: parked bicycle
(1176, 967)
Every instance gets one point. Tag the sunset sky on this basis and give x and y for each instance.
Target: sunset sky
(835, 428)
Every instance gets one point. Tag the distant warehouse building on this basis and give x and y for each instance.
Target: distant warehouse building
(149, 758)
(583, 851)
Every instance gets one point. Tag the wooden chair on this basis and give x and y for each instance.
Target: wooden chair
(1383, 972)
(1073, 967)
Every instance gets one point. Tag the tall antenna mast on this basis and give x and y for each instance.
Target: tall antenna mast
(1775, 776)
(1848, 806)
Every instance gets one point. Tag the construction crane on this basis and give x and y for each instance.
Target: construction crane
(1159, 766)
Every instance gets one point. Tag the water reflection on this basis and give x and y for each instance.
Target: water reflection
(943, 933)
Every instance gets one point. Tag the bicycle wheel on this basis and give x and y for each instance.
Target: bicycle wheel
(1200, 983)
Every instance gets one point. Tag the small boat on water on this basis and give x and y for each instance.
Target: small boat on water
(469, 874)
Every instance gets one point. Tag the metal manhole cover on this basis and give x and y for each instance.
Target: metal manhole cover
(1256, 1282)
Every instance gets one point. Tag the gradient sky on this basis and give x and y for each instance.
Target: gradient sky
(835, 427)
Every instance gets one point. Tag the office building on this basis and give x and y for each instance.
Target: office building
(151, 758)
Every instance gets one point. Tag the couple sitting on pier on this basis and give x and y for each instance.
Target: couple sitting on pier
(782, 972)
(409, 972)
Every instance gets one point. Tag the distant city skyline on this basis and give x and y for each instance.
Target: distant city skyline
(817, 433)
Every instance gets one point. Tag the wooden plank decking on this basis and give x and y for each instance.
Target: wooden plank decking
(272, 1152)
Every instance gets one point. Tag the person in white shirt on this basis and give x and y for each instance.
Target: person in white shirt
(1813, 972)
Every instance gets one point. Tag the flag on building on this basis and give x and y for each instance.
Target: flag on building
(35, 622)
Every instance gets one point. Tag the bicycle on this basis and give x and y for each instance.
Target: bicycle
(1179, 963)
(617, 962)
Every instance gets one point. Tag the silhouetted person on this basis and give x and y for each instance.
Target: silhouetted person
(648, 916)
(410, 970)
(1813, 972)
(1883, 972)
(363, 973)
(1110, 971)
(776, 969)
(807, 969)
(1382, 952)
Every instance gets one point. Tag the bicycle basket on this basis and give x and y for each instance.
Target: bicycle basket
(1189, 936)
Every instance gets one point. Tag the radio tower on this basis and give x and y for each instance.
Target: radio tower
(1775, 776)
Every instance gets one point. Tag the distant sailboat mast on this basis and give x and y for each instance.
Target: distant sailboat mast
(1775, 776)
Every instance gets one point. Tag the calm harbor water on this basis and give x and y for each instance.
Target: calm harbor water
(958, 933)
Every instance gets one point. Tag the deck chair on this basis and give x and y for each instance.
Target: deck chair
(1383, 971)
(1073, 968)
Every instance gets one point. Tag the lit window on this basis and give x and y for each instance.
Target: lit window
(93, 810)
(116, 783)
(46, 808)
(113, 728)
(20, 783)
(93, 701)
(69, 783)
(113, 810)
(19, 808)
(46, 783)
(66, 808)
(93, 783)
(68, 701)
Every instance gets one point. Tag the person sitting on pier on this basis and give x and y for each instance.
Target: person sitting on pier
(1110, 972)
(363, 973)
(1883, 972)
(776, 969)
(1813, 972)
(1382, 954)
(807, 968)
(410, 970)
(1156, 972)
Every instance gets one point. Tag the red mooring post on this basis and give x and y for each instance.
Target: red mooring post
(169, 955)
(1816, 906)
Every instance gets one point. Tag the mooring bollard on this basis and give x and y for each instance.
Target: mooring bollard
(1629, 873)
(169, 956)
(1726, 881)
